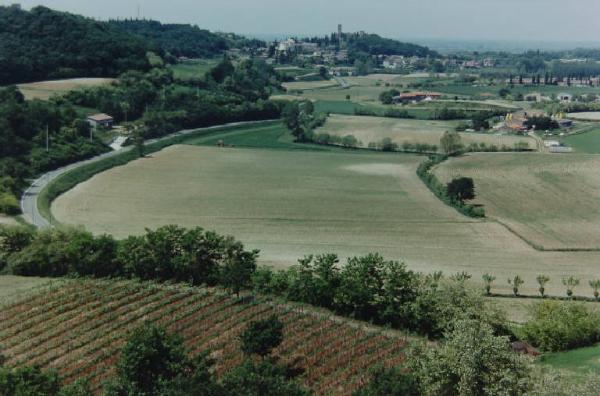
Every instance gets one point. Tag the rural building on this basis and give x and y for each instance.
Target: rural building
(415, 97)
(565, 123)
(101, 119)
(565, 97)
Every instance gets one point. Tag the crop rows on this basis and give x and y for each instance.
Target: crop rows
(80, 327)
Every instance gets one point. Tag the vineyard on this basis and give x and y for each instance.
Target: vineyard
(80, 327)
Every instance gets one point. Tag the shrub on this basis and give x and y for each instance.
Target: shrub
(262, 336)
(9, 204)
(471, 361)
(393, 381)
(558, 326)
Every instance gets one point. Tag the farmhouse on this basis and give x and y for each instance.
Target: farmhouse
(565, 97)
(100, 119)
(415, 97)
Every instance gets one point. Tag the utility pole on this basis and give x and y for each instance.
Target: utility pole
(91, 135)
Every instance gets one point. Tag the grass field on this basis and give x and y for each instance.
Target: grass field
(579, 361)
(585, 143)
(552, 200)
(193, 68)
(13, 287)
(290, 201)
(46, 89)
(374, 129)
(84, 324)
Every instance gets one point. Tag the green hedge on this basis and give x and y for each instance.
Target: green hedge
(439, 189)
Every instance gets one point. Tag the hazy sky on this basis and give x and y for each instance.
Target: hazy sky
(551, 20)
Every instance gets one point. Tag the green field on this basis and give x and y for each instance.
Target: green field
(580, 361)
(588, 142)
(13, 287)
(193, 68)
(374, 129)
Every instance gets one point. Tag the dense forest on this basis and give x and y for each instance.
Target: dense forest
(42, 44)
(176, 40)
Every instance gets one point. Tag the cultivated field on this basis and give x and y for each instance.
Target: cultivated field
(45, 89)
(193, 68)
(374, 129)
(289, 203)
(309, 85)
(79, 328)
(585, 143)
(585, 116)
(12, 287)
(551, 200)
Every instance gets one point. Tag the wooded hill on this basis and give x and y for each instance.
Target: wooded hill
(45, 44)
(175, 39)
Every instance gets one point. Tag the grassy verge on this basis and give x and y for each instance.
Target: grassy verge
(65, 182)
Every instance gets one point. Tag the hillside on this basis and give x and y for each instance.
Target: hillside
(44, 44)
(84, 324)
(373, 44)
(175, 39)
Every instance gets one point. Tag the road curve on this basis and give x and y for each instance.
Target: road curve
(29, 199)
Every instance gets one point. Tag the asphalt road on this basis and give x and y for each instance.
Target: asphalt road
(29, 200)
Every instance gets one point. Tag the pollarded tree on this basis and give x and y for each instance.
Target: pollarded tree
(570, 283)
(461, 277)
(595, 285)
(262, 336)
(516, 283)
(542, 280)
(488, 280)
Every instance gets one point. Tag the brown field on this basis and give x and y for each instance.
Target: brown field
(292, 203)
(45, 89)
(81, 327)
(374, 129)
(552, 200)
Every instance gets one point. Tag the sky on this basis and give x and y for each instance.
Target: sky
(508, 20)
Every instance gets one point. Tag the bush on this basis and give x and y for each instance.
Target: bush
(394, 381)
(65, 251)
(471, 361)
(558, 326)
(261, 337)
(9, 204)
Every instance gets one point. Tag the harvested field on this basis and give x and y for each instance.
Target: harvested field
(551, 200)
(84, 324)
(289, 203)
(45, 89)
(585, 116)
(374, 129)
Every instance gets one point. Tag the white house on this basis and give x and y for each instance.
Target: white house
(101, 119)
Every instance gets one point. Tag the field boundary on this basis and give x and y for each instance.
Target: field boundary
(80, 172)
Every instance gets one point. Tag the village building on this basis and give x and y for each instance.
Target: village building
(100, 120)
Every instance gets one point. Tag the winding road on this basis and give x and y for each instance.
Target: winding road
(29, 199)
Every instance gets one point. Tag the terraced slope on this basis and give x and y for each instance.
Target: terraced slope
(80, 327)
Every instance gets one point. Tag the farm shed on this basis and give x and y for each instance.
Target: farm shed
(100, 119)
